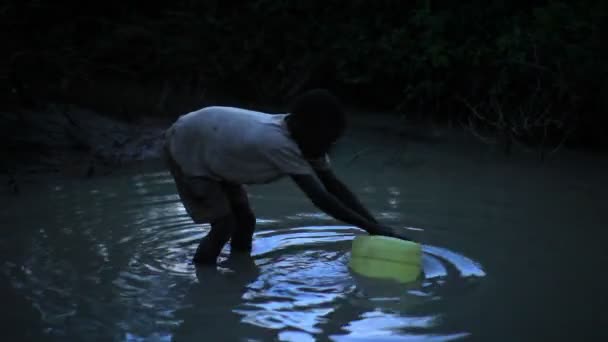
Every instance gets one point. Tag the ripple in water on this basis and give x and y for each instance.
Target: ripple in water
(298, 284)
(137, 282)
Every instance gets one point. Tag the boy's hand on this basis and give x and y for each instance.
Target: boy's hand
(335, 208)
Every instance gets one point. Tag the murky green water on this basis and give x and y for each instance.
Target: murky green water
(514, 250)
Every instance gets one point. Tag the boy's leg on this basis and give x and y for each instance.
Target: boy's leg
(210, 204)
(205, 201)
(242, 235)
(211, 245)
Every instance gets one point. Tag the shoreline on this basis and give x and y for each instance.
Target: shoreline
(65, 141)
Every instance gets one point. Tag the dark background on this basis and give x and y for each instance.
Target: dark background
(532, 71)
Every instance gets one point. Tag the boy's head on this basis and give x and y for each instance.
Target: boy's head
(316, 121)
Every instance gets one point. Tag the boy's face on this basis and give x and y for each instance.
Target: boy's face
(315, 145)
(315, 141)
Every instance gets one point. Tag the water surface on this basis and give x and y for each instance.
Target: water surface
(513, 250)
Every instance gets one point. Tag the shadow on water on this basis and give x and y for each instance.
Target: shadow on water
(207, 310)
(21, 320)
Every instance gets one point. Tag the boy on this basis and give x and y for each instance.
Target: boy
(213, 152)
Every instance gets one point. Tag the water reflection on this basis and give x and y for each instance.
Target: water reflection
(120, 270)
(208, 310)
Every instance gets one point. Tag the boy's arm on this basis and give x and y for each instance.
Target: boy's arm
(332, 206)
(342, 192)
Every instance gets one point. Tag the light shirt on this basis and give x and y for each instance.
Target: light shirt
(237, 145)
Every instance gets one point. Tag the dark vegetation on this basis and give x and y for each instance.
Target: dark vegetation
(526, 72)
(531, 72)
